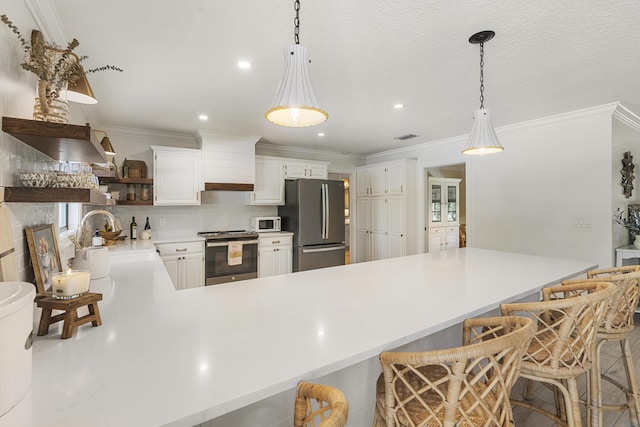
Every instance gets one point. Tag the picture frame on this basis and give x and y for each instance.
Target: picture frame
(44, 253)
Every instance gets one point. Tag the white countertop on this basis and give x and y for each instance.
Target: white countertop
(166, 357)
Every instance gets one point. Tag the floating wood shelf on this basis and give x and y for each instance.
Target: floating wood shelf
(60, 141)
(135, 202)
(148, 181)
(53, 195)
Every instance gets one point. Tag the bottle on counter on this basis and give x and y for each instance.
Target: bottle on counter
(133, 229)
(147, 226)
(97, 238)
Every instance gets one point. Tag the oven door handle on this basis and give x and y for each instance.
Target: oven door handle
(226, 243)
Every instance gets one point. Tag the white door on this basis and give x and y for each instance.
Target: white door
(269, 185)
(176, 177)
(171, 264)
(193, 266)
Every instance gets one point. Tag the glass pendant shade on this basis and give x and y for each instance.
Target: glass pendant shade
(295, 104)
(483, 139)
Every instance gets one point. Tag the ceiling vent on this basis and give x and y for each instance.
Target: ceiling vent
(405, 137)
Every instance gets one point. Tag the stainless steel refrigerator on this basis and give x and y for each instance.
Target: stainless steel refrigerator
(314, 212)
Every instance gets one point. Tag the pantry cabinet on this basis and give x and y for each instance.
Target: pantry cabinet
(275, 251)
(385, 210)
(177, 176)
(443, 215)
(184, 262)
(269, 186)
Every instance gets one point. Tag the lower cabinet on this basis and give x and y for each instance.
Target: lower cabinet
(275, 252)
(443, 238)
(184, 262)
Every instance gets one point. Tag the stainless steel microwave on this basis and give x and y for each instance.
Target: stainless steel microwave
(263, 224)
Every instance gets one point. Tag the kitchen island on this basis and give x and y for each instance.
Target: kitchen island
(233, 353)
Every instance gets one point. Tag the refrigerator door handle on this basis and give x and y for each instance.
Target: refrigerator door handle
(326, 194)
(333, 248)
(324, 212)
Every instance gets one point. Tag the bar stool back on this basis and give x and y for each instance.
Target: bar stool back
(463, 386)
(617, 325)
(564, 344)
(319, 405)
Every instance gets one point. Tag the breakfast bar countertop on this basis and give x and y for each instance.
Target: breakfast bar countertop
(179, 358)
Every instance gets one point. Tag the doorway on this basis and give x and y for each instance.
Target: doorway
(346, 178)
(455, 172)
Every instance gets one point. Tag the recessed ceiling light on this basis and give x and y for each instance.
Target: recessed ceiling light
(245, 65)
(320, 133)
(398, 106)
(203, 117)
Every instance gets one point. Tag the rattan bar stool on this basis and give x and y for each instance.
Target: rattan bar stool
(462, 386)
(617, 324)
(563, 347)
(319, 405)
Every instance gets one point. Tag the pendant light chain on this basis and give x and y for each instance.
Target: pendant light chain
(481, 76)
(296, 21)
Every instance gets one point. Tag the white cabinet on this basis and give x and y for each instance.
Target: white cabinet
(184, 262)
(305, 169)
(269, 186)
(275, 254)
(443, 215)
(177, 177)
(385, 210)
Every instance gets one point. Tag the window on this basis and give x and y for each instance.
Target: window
(63, 217)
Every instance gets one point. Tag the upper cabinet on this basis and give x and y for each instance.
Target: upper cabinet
(305, 169)
(443, 201)
(60, 141)
(270, 173)
(228, 160)
(269, 186)
(177, 176)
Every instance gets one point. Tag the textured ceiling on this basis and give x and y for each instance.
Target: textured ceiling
(548, 57)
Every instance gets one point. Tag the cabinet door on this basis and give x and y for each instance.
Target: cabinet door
(193, 266)
(378, 180)
(269, 185)
(437, 239)
(452, 203)
(395, 217)
(171, 264)
(363, 182)
(317, 171)
(396, 179)
(363, 228)
(295, 170)
(379, 245)
(266, 262)
(436, 202)
(284, 261)
(363, 242)
(453, 237)
(378, 215)
(176, 177)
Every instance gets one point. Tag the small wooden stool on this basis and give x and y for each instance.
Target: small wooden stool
(70, 315)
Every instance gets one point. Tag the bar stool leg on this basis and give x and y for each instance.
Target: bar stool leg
(633, 397)
(594, 389)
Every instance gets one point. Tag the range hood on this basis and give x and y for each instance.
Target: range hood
(228, 160)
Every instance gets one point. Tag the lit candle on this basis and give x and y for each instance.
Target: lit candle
(71, 284)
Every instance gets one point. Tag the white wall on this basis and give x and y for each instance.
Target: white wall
(553, 173)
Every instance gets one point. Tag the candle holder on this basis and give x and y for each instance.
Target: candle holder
(71, 284)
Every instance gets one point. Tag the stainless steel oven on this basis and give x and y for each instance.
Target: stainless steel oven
(221, 265)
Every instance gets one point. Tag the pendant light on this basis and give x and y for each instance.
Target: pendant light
(295, 104)
(483, 139)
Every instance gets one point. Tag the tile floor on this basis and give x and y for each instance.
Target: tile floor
(611, 364)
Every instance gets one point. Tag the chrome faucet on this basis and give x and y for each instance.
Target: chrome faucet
(110, 219)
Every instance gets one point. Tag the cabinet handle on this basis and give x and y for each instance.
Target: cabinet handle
(401, 188)
(181, 250)
(275, 242)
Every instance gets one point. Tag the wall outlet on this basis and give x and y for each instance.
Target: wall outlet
(581, 221)
(161, 222)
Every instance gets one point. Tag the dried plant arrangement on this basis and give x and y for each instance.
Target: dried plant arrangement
(54, 65)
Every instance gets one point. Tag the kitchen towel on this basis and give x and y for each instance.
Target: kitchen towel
(234, 255)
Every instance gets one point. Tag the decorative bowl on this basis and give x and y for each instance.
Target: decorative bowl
(110, 235)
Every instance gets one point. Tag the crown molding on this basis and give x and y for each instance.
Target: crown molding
(269, 149)
(130, 132)
(48, 20)
(627, 117)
